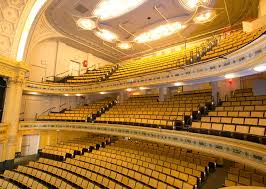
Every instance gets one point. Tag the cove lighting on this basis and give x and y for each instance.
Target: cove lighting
(86, 23)
(159, 32)
(204, 17)
(260, 68)
(230, 76)
(124, 45)
(106, 35)
(26, 29)
(191, 5)
(108, 9)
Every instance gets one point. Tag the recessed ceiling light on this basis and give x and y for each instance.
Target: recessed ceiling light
(66, 94)
(102, 93)
(33, 93)
(143, 88)
(159, 32)
(108, 9)
(191, 5)
(177, 84)
(106, 35)
(230, 76)
(260, 68)
(205, 17)
(129, 90)
(124, 45)
(78, 94)
(86, 23)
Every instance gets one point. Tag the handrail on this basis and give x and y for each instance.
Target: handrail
(48, 110)
(62, 105)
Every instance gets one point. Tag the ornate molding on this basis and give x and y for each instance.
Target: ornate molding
(3, 131)
(241, 151)
(247, 57)
(13, 69)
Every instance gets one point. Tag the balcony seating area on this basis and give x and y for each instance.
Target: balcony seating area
(242, 116)
(80, 114)
(241, 175)
(148, 111)
(71, 148)
(95, 75)
(230, 43)
(206, 51)
(168, 61)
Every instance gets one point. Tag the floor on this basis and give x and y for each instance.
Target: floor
(216, 179)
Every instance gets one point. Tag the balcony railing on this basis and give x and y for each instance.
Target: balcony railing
(241, 151)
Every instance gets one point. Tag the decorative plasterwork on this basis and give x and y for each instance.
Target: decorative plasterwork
(3, 131)
(13, 69)
(245, 58)
(42, 31)
(10, 14)
(251, 154)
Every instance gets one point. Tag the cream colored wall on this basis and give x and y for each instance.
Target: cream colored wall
(52, 57)
(262, 8)
(32, 104)
(52, 137)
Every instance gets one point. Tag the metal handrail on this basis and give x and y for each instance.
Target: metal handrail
(48, 110)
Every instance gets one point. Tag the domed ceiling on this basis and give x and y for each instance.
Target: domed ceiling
(117, 30)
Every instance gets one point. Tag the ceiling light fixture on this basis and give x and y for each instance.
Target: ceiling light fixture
(78, 94)
(106, 35)
(191, 5)
(102, 93)
(205, 17)
(260, 68)
(124, 45)
(86, 23)
(66, 94)
(108, 9)
(159, 32)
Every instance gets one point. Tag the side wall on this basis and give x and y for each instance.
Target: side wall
(52, 57)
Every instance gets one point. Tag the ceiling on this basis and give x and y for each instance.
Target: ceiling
(62, 15)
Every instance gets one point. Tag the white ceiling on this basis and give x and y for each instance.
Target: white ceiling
(62, 15)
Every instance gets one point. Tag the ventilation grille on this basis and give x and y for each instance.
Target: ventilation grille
(80, 8)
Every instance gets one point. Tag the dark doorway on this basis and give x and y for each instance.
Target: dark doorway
(2, 96)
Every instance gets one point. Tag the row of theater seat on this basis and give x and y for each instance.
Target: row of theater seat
(148, 111)
(114, 166)
(80, 114)
(241, 175)
(210, 49)
(96, 75)
(243, 115)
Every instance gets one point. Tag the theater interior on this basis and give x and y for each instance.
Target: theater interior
(123, 94)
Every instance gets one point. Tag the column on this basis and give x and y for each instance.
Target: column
(215, 91)
(123, 96)
(163, 93)
(11, 117)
